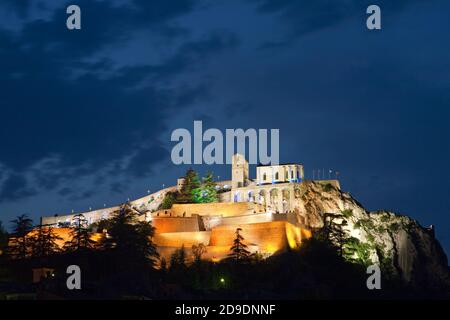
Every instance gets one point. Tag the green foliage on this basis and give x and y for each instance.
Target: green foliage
(367, 224)
(206, 192)
(386, 264)
(327, 187)
(385, 218)
(394, 227)
(193, 191)
(333, 232)
(169, 199)
(347, 213)
(191, 182)
(357, 251)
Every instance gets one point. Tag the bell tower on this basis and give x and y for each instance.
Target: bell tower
(239, 171)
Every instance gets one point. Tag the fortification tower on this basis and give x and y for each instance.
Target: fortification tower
(239, 171)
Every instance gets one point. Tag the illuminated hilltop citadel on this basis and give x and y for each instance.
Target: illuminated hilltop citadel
(267, 209)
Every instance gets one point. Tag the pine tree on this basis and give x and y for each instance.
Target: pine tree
(43, 243)
(130, 241)
(191, 182)
(239, 250)
(80, 236)
(332, 232)
(207, 191)
(169, 199)
(20, 245)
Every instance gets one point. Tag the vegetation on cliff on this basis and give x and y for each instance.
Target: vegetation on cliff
(404, 249)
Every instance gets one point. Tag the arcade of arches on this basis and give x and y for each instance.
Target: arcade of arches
(275, 198)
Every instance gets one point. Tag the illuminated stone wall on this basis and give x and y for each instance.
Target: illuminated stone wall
(225, 209)
(177, 239)
(212, 222)
(148, 202)
(176, 224)
(280, 173)
(267, 236)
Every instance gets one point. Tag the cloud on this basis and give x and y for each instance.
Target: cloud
(305, 17)
(16, 187)
(71, 114)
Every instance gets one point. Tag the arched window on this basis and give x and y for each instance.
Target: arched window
(264, 177)
(286, 175)
(292, 174)
(276, 176)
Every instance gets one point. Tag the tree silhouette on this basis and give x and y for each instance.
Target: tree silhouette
(80, 236)
(163, 264)
(3, 238)
(239, 250)
(43, 243)
(19, 247)
(333, 232)
(178, 258)
(198, 251)
(130, 241)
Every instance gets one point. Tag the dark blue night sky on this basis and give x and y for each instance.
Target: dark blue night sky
(86, 116)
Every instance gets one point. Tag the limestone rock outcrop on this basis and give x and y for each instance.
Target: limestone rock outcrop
(399, 244)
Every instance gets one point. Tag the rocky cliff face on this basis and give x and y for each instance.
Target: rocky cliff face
(397, 243)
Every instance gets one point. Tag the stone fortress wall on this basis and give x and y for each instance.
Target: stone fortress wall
(148, 203)
(264, 209)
